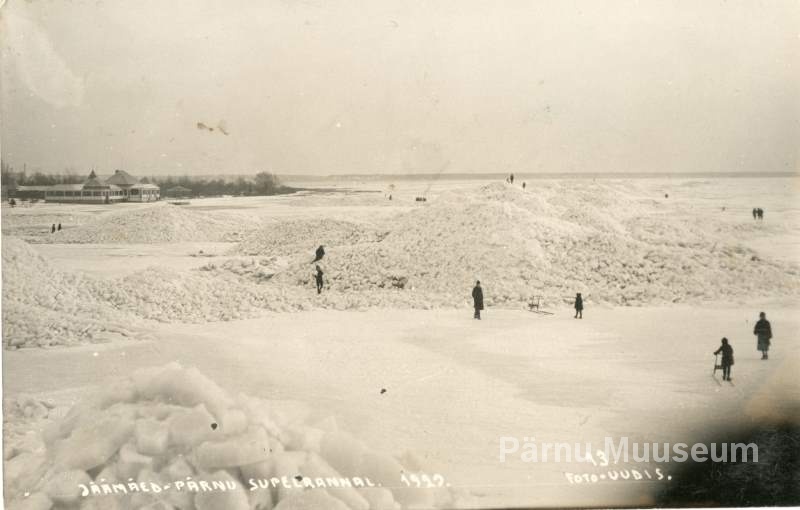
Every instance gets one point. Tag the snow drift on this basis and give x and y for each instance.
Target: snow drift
(43, 306)
(157, 223)
(603, 240)
(553, 242)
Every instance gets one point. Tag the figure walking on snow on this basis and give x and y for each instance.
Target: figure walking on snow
(727, 359)
(318, 278)
(320, 253)
(59, 227)
(53, 229)
(755, 214)
(763, 331)
(477, 299)
(578, 306)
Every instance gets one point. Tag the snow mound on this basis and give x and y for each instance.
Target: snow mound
(158, 223)
(554, 241)
(610, 242)
(175, 429)
(194, 296)
(43, 306)
(304, 236)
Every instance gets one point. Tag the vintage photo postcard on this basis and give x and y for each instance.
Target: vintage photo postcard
(387, 255)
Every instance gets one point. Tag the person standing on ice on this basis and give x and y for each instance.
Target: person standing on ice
(318, 277)
(320, 253)
(511, 179)
(59, 227)
(523, 185)
(763, 331)
(578, 306)
(755, 214)
(53, 229)
(477, 299)
(727, 359)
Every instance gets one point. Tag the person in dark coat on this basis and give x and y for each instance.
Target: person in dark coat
(755, 214)
(578, 306)
(318, 278)
(53, 229)
(760, 213)
(763, 331)
(727, 359)
(320, 253)
(59, 227)
(523, 185)
(511, 179)
(477, 299)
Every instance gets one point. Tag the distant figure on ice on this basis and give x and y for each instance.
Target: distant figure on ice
(578, 306)
(53, 229)
(727, 359)
(511, 178)
(763, 331)
(59, 227)
(760, 212)
(318, 278)
(477, 299)
(755, 213)
(320, 253)
(523, 184)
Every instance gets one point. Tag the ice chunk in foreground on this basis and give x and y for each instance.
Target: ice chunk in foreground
(64, 488)
(151, 437)
(227, 499)
(343, 452)
(93, 444)
(36, 501)
(316, 467)
(248, 448)
(189, 428)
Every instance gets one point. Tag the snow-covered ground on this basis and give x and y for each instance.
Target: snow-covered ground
(404, 368)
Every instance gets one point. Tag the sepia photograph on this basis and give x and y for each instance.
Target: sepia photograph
(400, 254)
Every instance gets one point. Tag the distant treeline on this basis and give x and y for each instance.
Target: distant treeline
(9, 177)
(262, 183)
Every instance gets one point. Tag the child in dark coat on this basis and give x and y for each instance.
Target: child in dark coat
(318, 278)
(579, 306)
(727, 359)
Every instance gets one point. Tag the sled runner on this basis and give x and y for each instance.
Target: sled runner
(717, 365)
(535, 306)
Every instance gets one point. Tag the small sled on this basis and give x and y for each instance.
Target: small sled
(535, 306)
(717, 365)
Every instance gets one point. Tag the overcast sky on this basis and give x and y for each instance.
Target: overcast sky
(375, 86)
